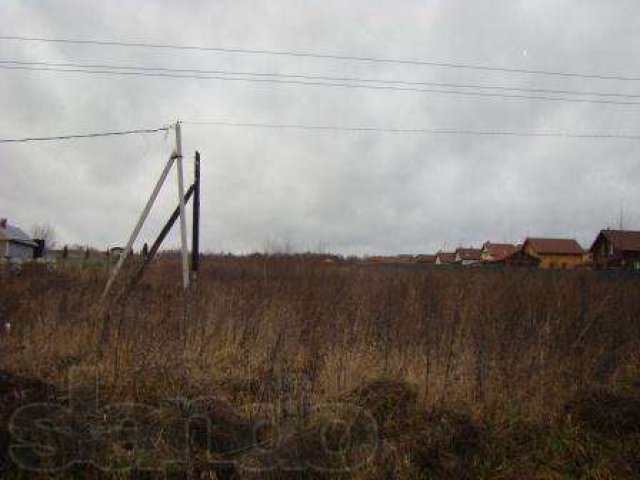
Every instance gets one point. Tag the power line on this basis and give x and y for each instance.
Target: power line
(84, 135)
(413, 131)
(317, 83)
(316, 77)
(290, 53)
(337, 129)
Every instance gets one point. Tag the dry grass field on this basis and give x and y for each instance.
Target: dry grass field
(318, 370)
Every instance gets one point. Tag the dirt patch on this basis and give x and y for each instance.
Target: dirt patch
(17, 391)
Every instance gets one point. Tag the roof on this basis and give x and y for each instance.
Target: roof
(14, 234)
(559, 246)
(624, 240)
(519, 257)
(498, 251)
(469, 253)
(446, 257)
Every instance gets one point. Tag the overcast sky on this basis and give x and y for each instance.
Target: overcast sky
(352, 193)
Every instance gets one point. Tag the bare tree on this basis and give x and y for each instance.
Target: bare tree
(44, 231)
(279, 247)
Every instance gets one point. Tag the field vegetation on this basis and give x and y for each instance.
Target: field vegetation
(313, 369)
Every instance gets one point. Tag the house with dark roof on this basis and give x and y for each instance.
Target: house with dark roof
(493, 252)
(616, 249)
(555, 252)
(15, 245)
(467, 256)
(444, 258)
(519, 258)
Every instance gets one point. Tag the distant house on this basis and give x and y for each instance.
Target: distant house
(15, 245)
(467, 256)
(493, 252)
(390, 259)
(519, 258)
(616, 249)
(444, 258)
(555, 252)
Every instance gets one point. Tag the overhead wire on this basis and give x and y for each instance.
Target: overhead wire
(328, 81)
(85, 135)
(318, 83)
(414, 131)
(335, 129)
(314, 77)
(326, 56)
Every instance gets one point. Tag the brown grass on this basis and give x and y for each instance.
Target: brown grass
(492, 355)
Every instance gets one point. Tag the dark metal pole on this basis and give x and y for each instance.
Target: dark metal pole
(195, 227)
(156, 245)
(172, 219)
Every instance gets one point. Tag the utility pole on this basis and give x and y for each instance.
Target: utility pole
(195, 222)
(183, 198)
(183, 217)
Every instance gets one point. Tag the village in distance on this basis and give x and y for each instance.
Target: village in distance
(611, 249)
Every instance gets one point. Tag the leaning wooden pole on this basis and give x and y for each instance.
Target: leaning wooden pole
(136, 230)
(195, 223)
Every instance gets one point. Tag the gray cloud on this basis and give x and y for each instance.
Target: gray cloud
(355, 193)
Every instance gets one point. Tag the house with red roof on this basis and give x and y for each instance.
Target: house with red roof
(616, 249)
(493, 252)
(555, 252)
(467, 256)
(443, 258)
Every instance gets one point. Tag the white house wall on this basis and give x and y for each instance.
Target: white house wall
(18, 252)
